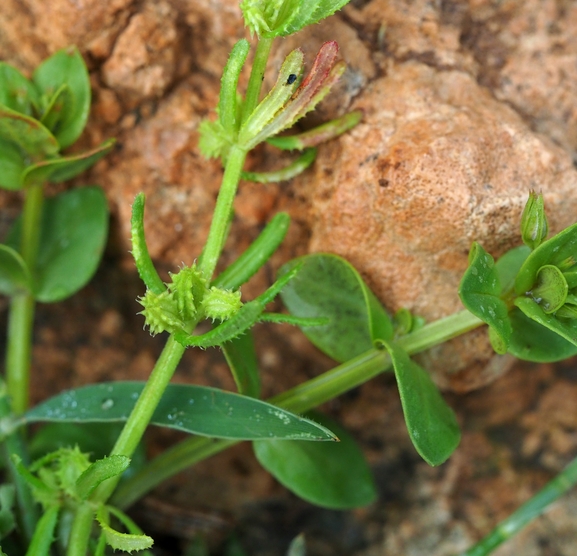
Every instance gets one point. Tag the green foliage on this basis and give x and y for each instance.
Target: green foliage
(431, 423)
(334, 475)
(73, 233)
(480, 291)
(64, 71)
(327, 286)
(279, 18)
(240, 355)
(194, 409)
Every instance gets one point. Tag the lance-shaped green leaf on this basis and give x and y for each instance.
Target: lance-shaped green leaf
(287, 173)
(240, 355)
(12, 165)
(144, 264)
(16, 92)
(324, 73)
(66, 67)
(228, 112)
(565, 328)
(560, 250)
(194, 409)
(327, 286)
(27, 133)
(99, 471)
(273, 103)
(135, 539)
(14, 274)
(431, 423)
(44, 533)
(532, 341)
(320, 134)
(64, 168)
(479, 291)
(73, 235)
(334, 475)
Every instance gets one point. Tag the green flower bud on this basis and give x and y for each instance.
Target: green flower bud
(534, 227)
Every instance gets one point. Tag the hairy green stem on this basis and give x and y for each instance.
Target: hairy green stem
(142, 412)
(534, 507)
(256, 77)
(80, 531)
(301, 398)
(18, 352)
(219, 225)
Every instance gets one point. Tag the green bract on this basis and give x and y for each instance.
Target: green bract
(279, 18)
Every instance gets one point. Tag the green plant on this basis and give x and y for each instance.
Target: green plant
(527, 299)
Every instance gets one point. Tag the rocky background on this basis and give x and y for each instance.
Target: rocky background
(468, 105)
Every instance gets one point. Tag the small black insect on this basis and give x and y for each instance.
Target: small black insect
(291, 79)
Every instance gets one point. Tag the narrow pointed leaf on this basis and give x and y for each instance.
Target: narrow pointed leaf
(334, 475)
(66, 67)
(144, 264)
(532, 341)
(67, 167)
(316, 136)
(323, 75)
(16, 92)
(74, 231)
(14, 274)
(327, 286)
(431, 423)
(12, 165)
(193, 409)
(241, 358)
(27, 133)
(227, 105)
(44, 533)
(250, 133)
(99, 471)
(479, 291)
(287, 173)
(127, 542)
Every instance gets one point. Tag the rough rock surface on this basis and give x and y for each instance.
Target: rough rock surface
(436, 164)
(468, 105)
